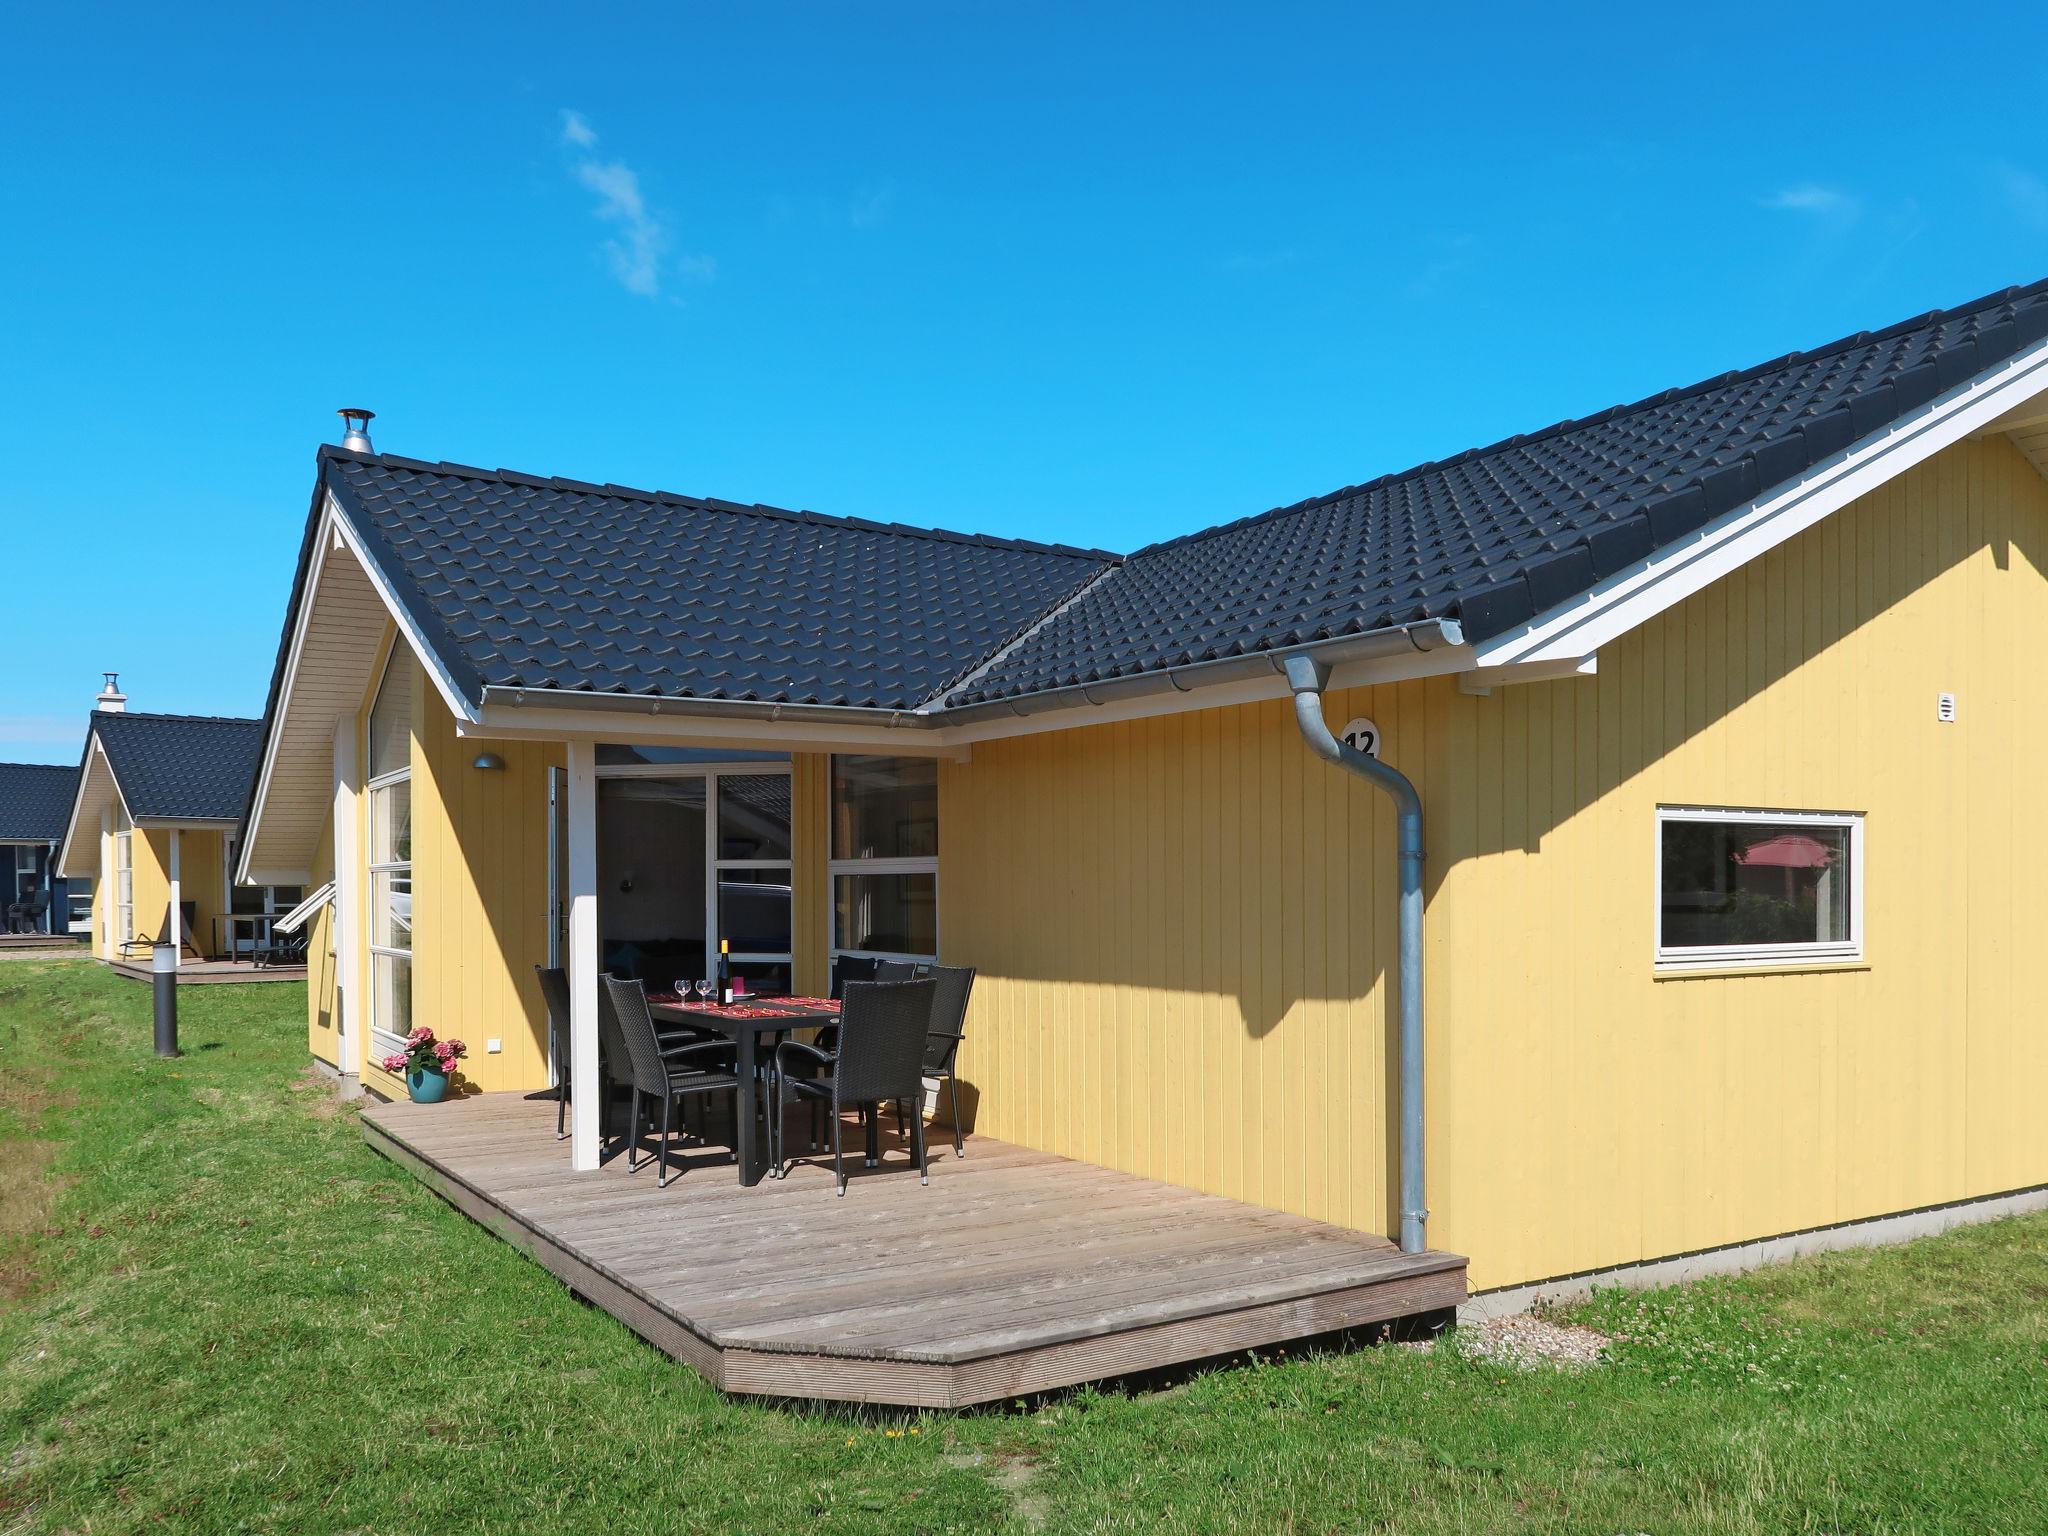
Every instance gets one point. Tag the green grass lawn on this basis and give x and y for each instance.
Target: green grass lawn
(220, 1311)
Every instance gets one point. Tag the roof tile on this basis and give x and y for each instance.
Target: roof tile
(180, 767)
(1494, 535)
(35, 801)
(566, 585)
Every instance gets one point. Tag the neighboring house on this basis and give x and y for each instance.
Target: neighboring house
(34, 800)
(153, 822)
(1722, 709)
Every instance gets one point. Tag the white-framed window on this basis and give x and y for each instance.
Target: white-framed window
(25, 858)
(884, 857)
(390, 861)
(124, 882)
(78, 896)
(1758, 887)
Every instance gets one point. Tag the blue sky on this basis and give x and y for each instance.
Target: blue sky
(1095, 273)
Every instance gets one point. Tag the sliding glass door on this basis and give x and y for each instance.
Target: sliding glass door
(690, 852)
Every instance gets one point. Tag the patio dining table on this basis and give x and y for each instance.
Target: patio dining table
(747, 1025)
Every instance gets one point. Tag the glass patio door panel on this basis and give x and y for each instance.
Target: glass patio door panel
(753, 877)
(651, 886)
(690, 852)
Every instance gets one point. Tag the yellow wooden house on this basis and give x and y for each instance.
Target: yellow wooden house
(153, 825)
(1718, 711)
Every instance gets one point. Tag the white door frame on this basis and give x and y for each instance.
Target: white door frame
(586, 1093)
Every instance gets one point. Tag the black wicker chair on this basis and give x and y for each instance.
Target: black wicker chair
(827, 1037)
(679, 1072)
(26, 915)
(942, 1041)
(554, 991)
(949, 1028)
(880, 1056)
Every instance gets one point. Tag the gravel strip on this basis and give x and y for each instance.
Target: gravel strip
(1526, 1342)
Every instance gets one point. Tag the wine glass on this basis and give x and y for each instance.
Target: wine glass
(682, 990)
(704, 990)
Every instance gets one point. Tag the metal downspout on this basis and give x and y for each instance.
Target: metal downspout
(1307, 677)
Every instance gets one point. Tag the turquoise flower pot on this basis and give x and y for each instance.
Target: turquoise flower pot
(426, 1085)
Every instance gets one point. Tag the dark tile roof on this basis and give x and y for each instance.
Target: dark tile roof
(35, 801)
(1499, 534)
(519, 581)
(181, 767)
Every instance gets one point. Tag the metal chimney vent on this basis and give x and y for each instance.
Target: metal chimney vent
(111, 699)
(355, 434)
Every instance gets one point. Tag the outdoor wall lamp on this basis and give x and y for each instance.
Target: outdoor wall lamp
(488, 760)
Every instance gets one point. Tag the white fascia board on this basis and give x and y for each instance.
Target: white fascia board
(1483, 680)
(333, 533)
(429, 658)
(323, 542)
(503, 722)
(96, 755)
(1366, 673)
(537, 722)
(1668, 576)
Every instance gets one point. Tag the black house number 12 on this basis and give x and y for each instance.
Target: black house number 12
(1362, 736)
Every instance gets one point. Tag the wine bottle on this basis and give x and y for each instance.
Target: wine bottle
(724, 970)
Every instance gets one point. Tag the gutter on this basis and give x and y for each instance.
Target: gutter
(1308, 677)
(1400, 640)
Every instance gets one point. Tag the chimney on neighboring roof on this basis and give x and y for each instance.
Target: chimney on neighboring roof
(111, 698)
(355, 435)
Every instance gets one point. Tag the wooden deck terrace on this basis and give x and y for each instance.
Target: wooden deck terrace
(200, 973)
(1013, 1272)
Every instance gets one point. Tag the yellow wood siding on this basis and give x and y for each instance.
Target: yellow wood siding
(323, 1001)
(150, 884)
(1182, 923)
(480, 888)
(480, 896)
(201, 880)
(810, 786)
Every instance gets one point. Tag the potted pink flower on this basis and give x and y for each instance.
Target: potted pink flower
(426, 1064)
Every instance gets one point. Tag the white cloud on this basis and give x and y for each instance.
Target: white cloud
(635, 253)
(1808, 197)
(2025, 193)
(871, 206)
(576, 130)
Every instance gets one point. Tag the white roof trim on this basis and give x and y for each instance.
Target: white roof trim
(1563, 642)
(301, 622)
(1582, 625)
(296, 919)
(428, 656)
(94, 754)
(334, 532)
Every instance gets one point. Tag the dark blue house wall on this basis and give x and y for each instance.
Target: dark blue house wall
(14, 885)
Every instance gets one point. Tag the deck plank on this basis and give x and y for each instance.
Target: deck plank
(1013, 1271)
